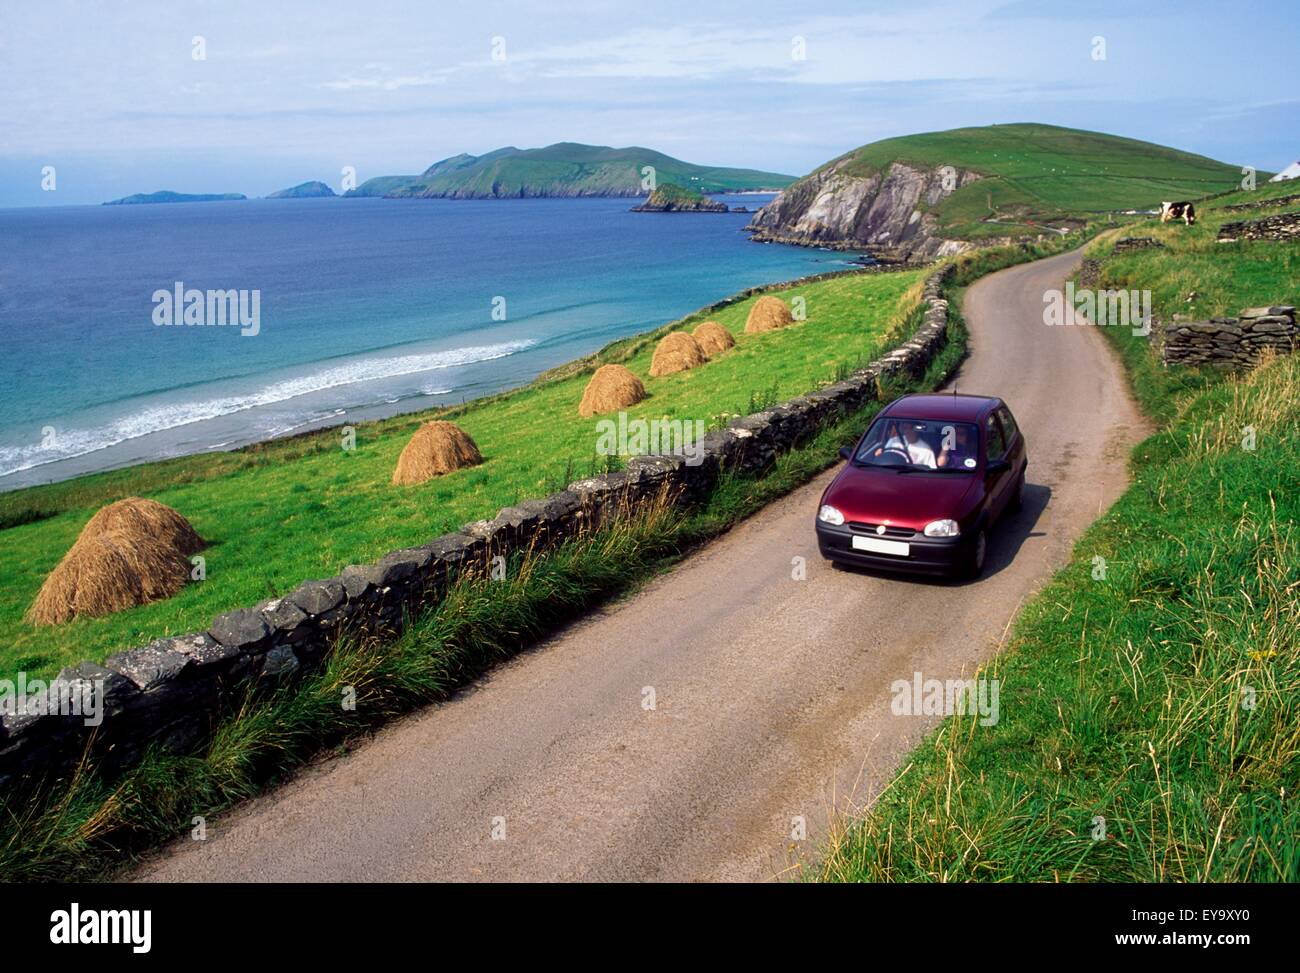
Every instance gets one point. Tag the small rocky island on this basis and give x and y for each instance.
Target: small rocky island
(668, 198)
(304, 190)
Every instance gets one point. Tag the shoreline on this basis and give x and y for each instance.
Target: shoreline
(328, 326)
(143, 451)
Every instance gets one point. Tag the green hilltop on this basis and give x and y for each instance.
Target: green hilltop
(1034, 171)
(304, 190)
(564, 169)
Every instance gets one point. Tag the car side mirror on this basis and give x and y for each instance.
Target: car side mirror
(846, 452)
(997, 466)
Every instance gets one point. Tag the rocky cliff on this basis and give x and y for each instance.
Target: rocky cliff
(887, 212)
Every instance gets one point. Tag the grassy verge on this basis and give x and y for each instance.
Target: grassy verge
(288, 510)
(1150, 695)
(1196, 278)
(85, 828)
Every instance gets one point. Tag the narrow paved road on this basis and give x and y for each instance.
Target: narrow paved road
(771, 694)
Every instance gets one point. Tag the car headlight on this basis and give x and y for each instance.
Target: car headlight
(942, 528)
(829, 515)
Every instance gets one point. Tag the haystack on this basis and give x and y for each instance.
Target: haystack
(613, 387)
(676, 352)
(768, 314)
(137, 516)
(130, 553)
(714, 339)
(436, 448)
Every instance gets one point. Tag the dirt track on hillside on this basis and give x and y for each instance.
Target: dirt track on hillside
(772, 695)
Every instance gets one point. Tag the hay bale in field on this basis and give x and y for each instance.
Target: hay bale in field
(136, 515)
(130, 553)
(676, 352)
(436, 448)
(613, 387)
(768, 314)
(714, 339)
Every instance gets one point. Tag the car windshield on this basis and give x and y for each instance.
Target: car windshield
(938, 446)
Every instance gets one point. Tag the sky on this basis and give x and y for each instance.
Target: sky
(116, 97)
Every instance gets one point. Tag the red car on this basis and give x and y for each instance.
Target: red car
(925, 485)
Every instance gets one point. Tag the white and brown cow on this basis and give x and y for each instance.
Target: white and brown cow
(1173, 211)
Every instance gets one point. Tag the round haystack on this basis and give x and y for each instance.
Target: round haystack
(714, 339)
(768, 314)
(130, 553)
(613, 387)
(436, 448)
(137, 516)
(676, 352)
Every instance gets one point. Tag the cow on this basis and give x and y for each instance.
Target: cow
(1173, 211)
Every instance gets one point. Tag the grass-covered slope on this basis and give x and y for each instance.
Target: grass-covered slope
(1044, 172)
(286, 511)
(564, 169)
(1150, 701)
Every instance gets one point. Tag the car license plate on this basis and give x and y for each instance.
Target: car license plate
(878, 546)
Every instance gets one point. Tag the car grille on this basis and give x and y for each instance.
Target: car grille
(858, 527)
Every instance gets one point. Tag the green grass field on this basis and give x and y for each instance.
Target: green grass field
(1199, 278)
(1150, 716)
(286, 511)
(1046, 173)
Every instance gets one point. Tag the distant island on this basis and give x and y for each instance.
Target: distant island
(566, 169)
(304, 190)
(668, 198)
(166, 196)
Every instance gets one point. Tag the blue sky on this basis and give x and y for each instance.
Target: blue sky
(112, 96)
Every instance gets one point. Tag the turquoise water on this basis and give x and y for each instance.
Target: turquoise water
(366, 307)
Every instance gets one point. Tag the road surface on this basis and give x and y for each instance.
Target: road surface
(771, 695)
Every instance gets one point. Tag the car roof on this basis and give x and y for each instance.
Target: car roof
(953, 407)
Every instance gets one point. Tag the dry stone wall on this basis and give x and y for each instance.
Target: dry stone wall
(1231, 342)
(1285, 228)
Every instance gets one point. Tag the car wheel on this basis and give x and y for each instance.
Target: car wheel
(975, 556)
(1018, 498)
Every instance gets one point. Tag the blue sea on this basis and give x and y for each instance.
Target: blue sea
(367, 308)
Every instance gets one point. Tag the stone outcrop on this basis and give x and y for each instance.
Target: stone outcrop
(1137, 243)
(1262, 203)
(1231, 342)
(887, 213)
(1284, 227)
(172, 691)
(672, 199)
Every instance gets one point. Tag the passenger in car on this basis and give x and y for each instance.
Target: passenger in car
(958, 448)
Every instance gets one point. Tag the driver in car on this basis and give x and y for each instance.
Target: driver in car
(918, 451)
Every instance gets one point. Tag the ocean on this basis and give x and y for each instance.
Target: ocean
(366, 307)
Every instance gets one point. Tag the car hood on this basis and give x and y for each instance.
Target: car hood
(908, 500)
